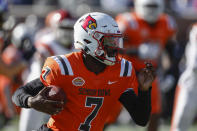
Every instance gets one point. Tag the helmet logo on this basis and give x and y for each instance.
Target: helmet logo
(90, 23)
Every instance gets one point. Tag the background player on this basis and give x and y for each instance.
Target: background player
(54, 39)
(147, 30)
(185, 107)
(8, 70)
(98, 37)
(14, 52)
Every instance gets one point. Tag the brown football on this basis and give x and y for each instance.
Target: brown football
(56, 93)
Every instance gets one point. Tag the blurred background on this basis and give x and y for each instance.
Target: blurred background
(24, 22)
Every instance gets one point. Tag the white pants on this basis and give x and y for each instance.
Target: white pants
(31, 119)
(185, 106)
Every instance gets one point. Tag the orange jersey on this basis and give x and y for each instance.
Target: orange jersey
(7, 85)
(7, 106)
(90, 97)
(138, 32)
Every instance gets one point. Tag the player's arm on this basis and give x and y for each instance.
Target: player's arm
(21, 95)
(33, 95)
(139, 107)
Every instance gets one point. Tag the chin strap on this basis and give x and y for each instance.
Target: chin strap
(107, 62)
(87, 50)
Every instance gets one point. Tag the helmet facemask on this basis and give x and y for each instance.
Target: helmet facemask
(108, 46)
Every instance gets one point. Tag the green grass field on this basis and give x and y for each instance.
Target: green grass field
(13, 126)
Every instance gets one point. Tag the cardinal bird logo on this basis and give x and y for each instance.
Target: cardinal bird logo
(90, 23)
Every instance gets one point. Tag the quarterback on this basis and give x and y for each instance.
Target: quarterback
(93, 79)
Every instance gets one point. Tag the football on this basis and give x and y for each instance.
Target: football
(56, 93)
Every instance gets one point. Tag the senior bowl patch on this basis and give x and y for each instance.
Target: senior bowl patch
(78, 81)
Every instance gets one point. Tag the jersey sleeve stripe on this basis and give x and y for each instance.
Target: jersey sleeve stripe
(126, 68)
(70, 71)
(64, 65)
(122, 67)
(130, 69)
(60, 64)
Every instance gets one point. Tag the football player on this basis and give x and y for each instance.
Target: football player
(5, 69)
(92, 78)
(185, 107)
(9, 56)
(147, 30)
(54, 39)
(21, 49)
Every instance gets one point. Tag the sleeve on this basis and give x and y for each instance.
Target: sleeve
(51, 72)
(137, 102)
(133, 83)
(139, 107)
(21, 95)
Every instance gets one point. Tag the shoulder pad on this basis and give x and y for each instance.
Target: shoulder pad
(129, 19)
(64, 65)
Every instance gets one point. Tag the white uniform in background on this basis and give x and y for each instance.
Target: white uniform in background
(185, 105)
(55, 39)
(31, 119)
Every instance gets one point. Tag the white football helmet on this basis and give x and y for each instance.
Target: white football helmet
(149, 10)
(99, 36)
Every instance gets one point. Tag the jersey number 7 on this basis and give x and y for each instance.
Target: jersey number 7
(98, 101)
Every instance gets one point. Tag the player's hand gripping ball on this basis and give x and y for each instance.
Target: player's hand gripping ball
(56, 93)
(50, 100)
